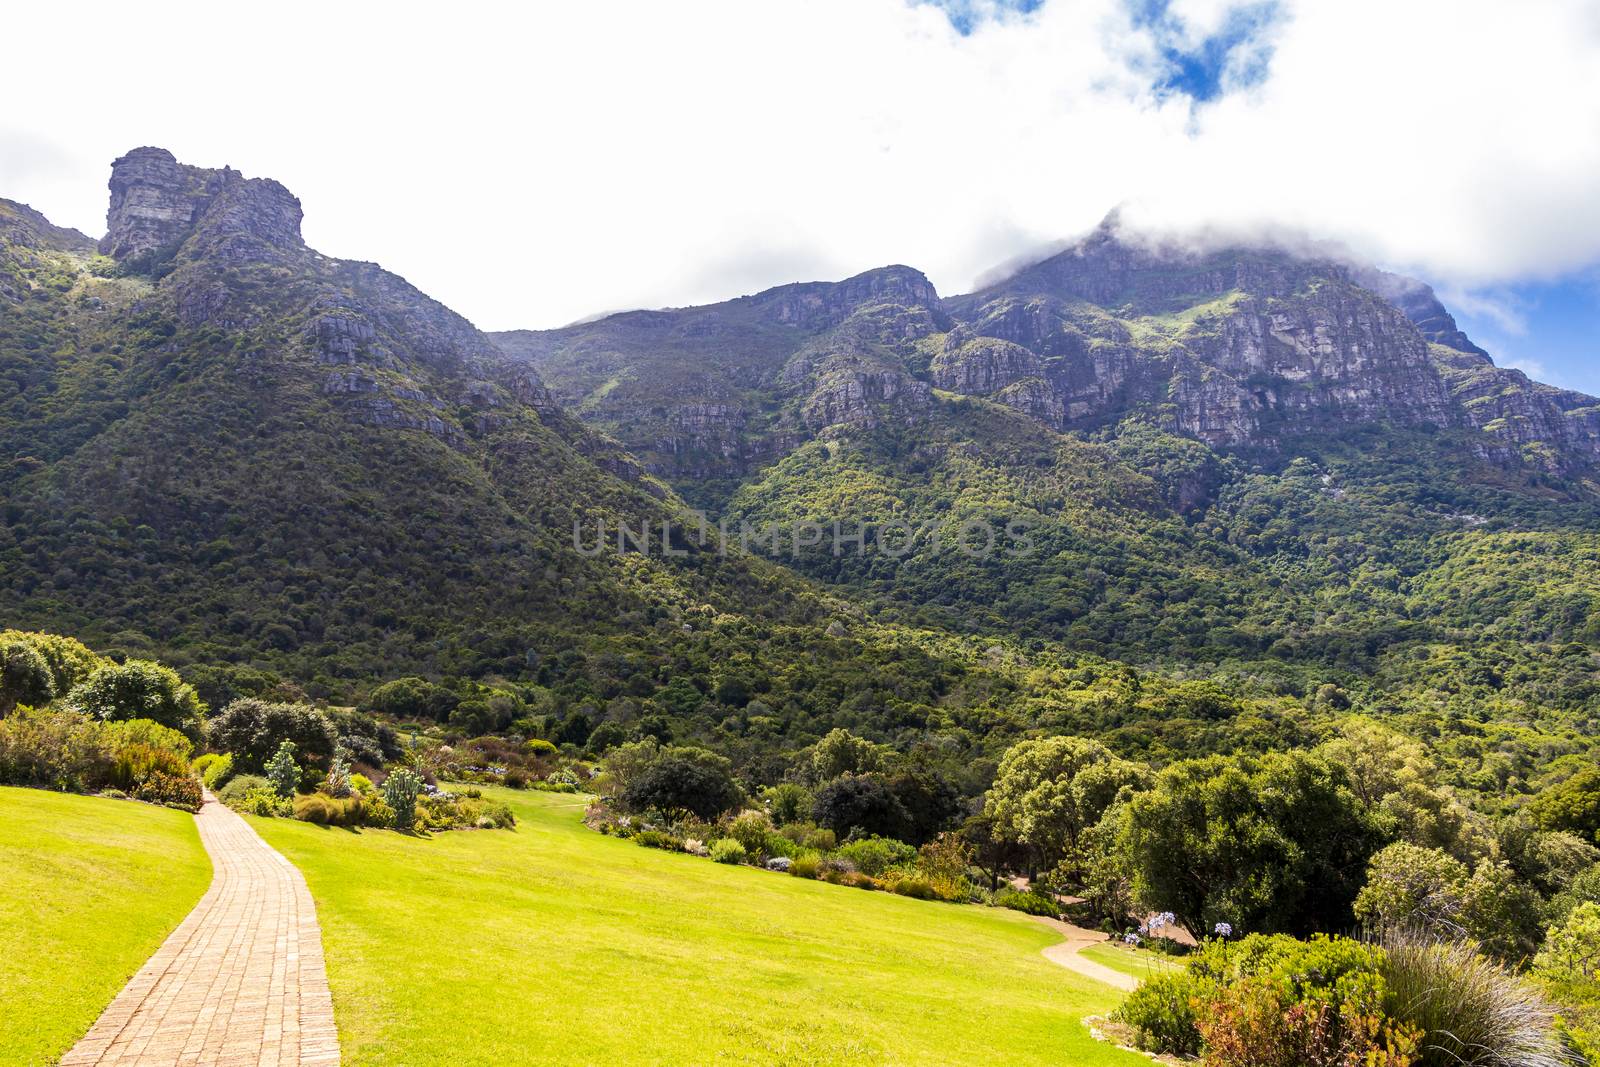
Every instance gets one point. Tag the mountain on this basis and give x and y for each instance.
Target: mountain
(1217, 452)
(1261, 478)
(226, 447)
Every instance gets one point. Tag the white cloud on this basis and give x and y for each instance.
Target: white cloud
(531, 164)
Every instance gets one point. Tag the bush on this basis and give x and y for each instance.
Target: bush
(214, 769)
(24, 676)
(862, 803)
(1161, 1013)
(136, 763)
(1571, 951)
(139, 689)
(152, 733)
(874, 855)
(253, 730)
(263, 800)
(172, 790)
(56, 750)
(329, 811)
(658, 839)
(807, 865)
(1030, 902)
(378, 811)
(787, 802)
(1470, 1010)
(750, 829)
(821, 840)
(727, 850)
(238, 787)
(906, 884)
(1266, 1001)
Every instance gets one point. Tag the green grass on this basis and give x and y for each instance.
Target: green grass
(89, 888)
(555, 945)
(1140, 963)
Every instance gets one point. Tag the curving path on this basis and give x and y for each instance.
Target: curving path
(1069, 954)
(240, 982)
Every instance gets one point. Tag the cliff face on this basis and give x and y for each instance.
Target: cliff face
(1237, 348)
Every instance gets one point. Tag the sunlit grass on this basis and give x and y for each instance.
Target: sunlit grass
(89, 888)
(555, 945)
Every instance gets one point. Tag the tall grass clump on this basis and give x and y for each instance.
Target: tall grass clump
(1472, 1011)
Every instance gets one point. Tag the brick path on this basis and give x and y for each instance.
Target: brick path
(240, 982)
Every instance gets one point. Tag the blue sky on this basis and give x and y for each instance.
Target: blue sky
(1551, 330)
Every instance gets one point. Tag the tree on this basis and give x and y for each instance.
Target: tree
(1573, 805)
(1409, 887)
(139, 689)
(24, 676)
(69, 660)
(1274, 843)
(1571, 951)
(253, 730)
(863, 804)
(842, 752)
(683, 779)
(787, 802)
(930, 800)
(413, 698)
(1048, 791)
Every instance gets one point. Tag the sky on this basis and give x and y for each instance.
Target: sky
(538, 163)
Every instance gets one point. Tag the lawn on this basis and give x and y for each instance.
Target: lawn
(1140, 963)
(552, 944)
(89, 888)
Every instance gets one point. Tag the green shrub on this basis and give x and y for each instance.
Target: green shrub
(263, 800)
(254, 730)
(378, 811)
(56, 750)
(906, 884)
(324, 810)
(821, 840)
(400, 791)
(658, 839)
(874, 855)
(139, 689)
(1161, 1013)
(149, 732)
(237, 787)
(136, 763)
(806, 865)
(750, 829)
(727, 850)
(1031, 902)
(25, 677)
(217, 772)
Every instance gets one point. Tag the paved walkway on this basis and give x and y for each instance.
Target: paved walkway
(1069, 954)
(240, 982)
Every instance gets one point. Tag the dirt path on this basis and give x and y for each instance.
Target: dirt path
(1069, 954)
(240, 982)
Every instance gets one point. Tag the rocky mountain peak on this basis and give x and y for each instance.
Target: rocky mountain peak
(814, 305)
(157, 202)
